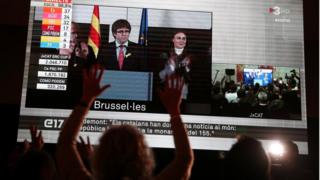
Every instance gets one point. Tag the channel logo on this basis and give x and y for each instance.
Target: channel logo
(276, 10)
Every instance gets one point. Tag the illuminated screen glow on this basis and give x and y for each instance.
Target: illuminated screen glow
(226, 42)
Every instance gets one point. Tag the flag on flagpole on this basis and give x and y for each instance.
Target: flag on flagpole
(143, 40)
(94, 34)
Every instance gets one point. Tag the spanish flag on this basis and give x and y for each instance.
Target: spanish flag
(94, 34)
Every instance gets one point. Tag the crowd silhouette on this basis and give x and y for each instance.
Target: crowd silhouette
(122, 152)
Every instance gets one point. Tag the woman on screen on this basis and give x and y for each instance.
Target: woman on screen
(178, 60)
(122, 152)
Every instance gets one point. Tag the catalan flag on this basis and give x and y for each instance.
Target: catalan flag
(94, 34)
(143, 40)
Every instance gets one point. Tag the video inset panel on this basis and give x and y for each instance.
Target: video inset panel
(256, 91)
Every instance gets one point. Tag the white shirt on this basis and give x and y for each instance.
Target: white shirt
(178, 51)
(232, 97)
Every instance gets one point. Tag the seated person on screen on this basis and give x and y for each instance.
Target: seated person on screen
(218, 101)
(122, 54)
(262, 105)
(122, 152)
(231, 94)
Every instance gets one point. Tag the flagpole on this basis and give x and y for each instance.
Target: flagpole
(143, 40)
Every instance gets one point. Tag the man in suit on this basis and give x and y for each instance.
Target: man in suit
(122, 54)
(81, 56)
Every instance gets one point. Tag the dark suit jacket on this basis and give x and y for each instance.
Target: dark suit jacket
(75, 76)
(134, 60)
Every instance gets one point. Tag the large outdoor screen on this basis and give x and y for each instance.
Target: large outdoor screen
(245, 70)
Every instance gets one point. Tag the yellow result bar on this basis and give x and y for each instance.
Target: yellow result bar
(50, 39)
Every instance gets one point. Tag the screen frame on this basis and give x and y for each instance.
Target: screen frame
(161, 117)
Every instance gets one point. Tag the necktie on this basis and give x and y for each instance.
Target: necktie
(121, 57)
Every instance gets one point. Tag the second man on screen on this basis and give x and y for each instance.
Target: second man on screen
(122, 54)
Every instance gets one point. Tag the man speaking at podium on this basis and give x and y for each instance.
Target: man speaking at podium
(122, 54)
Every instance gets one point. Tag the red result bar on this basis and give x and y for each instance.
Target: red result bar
(47, 27)
(52, 10)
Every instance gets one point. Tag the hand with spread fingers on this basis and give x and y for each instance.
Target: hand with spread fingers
(36, 138)
(171, 94)
(91, 83)
(85, 149)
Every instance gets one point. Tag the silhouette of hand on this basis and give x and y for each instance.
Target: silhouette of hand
(91, 83)
(171, 94)
(85, 150)
(36, 138)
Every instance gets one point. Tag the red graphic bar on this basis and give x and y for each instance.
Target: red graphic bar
(52, 10)
(47, 27)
